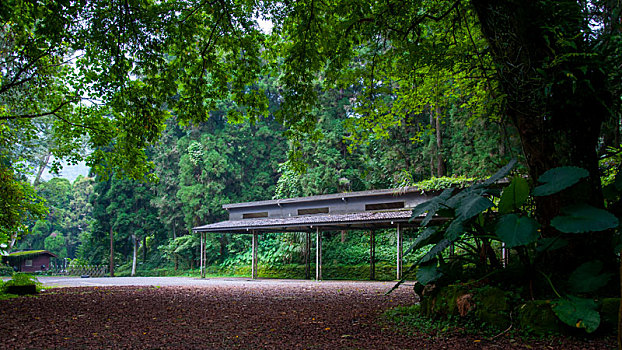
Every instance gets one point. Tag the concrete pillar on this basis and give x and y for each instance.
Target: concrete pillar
(254, 255)
(318, 254)
(399, 252)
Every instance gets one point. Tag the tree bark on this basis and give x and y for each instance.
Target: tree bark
(558, 118)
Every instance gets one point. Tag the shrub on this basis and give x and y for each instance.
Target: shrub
(5, 270)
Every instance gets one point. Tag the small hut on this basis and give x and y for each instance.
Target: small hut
(29, 260)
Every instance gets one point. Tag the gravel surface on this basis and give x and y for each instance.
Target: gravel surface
(186, 313)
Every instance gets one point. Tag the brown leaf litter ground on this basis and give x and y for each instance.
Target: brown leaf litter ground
(336, 315)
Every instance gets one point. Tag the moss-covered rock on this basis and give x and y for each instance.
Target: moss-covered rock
(441, 302)
(493, 307)
(538, 318)
(485, 305)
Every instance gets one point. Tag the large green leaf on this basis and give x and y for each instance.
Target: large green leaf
(584, 218)
(558, 179)
(515, 230)
(468, 193)
(437, 249)
(500, 173)
(426, 237)
(550, 243)
(454, 230)
(428, 273)
(588, 277)
(577, 312)
(431, 207)
(473, 205)
(514, 195)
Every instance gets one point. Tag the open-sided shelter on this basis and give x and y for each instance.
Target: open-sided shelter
(366, 210)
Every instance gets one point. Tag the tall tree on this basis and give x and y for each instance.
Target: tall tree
(543, 64)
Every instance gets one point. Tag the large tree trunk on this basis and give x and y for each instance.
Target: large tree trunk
(558, 118)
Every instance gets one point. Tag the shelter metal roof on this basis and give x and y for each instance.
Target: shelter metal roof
(328, 222)
(344, 195)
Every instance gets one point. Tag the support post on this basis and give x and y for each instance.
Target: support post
(205, 253)
(254, 255)
(308, 255)
(201, 254)
(399, 252)
(318, 254)
(372, 255)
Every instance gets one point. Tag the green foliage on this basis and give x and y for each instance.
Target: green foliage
(582, 218)
(5, 270)
(517, 231)
(21, 279)
(55, 243)
(442, 183)
(428, 273)
(578, 312)
(588, 277)
(514, 195)
(472, 223)
(557, 179)
(19, 204)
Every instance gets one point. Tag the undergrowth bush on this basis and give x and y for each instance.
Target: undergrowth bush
(6, 270)
(21, 279)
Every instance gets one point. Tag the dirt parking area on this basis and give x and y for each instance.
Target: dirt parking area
(185, 313)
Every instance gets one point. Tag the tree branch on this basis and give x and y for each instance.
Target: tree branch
(15, 81)
(203, 3)
(54, 113)
(38, 115)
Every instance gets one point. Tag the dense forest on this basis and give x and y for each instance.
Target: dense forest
(181, 106)
(202, 166)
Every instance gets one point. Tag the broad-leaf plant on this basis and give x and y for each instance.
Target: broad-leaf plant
(463, 226)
